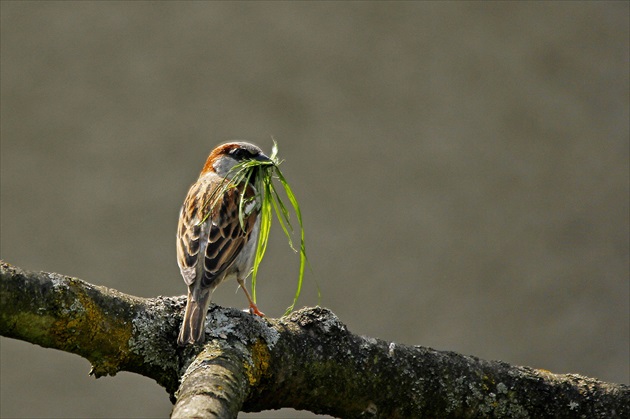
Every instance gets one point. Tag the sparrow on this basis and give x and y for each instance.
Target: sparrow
(212, 243)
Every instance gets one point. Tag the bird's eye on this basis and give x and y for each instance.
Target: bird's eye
(241, 153)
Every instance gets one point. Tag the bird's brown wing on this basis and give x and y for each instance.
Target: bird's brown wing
(226, 237)
(189, 228)
(214, 226)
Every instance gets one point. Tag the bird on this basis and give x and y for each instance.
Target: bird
(213, 243)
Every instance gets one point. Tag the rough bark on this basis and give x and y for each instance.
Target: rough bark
(307, 360)
(215, 383)
(112, 330)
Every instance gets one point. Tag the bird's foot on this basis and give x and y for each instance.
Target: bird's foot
(253, 309)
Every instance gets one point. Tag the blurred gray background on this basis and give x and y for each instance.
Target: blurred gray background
(462, 170)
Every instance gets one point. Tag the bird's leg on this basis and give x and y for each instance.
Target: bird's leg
(252, 305)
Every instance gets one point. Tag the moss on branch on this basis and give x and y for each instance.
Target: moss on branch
(306, 360)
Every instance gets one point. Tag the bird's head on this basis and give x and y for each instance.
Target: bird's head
(224, 157)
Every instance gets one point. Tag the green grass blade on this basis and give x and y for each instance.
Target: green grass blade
(270, 203)
(303, 259)
(283, 217)
(241, 204)
(274, 151)
(264, 184)
(285, 212)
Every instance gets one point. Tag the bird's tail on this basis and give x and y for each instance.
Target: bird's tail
(194, 325)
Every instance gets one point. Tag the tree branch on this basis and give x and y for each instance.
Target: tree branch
(112, 330)
(215, 384)
(307, 360)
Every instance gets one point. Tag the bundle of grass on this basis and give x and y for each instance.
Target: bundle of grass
(261, 175)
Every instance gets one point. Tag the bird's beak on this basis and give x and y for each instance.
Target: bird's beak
(263, 158)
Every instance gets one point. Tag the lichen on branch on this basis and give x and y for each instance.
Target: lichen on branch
(306, 360)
